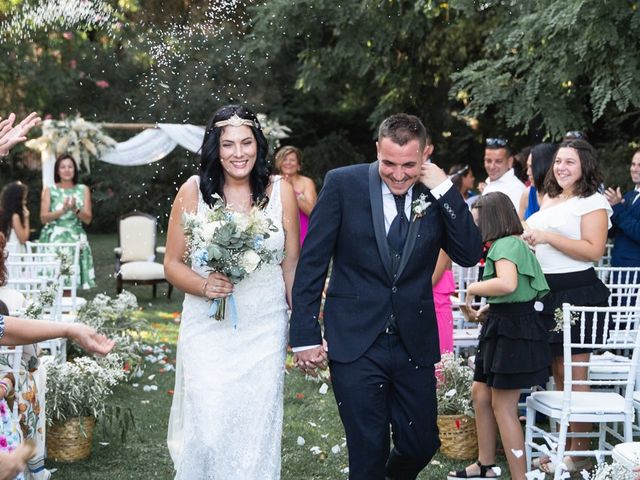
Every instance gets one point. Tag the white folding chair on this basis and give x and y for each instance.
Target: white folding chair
(619, 327)
(623, 283)
(33, 274)
(70, 280)
(605, 260)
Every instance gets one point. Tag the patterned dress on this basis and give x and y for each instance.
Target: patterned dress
(68, 229)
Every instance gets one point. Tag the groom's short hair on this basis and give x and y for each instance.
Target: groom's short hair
(401, 128)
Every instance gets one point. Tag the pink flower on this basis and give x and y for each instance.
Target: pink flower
(3, 409)
(73, 63)
(102, 84)
(3, 441)
(67, 35)
(48, 116)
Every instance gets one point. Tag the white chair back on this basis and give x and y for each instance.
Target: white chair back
(605, 261)
(623, 283)
(137, 234)
(71, 252)
(612, 328)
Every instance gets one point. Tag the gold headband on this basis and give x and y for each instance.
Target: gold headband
(236, 121)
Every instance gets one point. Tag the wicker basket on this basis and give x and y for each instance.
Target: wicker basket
(70, 441)
(458, 436)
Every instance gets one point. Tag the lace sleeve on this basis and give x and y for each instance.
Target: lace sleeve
(1, 326)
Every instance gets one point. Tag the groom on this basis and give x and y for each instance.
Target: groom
(383, 225)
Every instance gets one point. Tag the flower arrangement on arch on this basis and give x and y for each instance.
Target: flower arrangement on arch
(74, 136)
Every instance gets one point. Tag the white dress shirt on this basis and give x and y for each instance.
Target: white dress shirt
(508, 184)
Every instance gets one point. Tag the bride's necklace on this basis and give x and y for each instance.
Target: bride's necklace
(241, 202)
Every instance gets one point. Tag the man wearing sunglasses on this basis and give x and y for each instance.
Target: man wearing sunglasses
(498, 162)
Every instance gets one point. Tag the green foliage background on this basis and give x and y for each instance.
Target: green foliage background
(331, 71)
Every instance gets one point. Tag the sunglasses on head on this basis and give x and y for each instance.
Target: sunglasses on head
(496, 142)
(574, 134)
(460, 172)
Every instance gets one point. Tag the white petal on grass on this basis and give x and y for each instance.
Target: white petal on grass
(315, 450)
(300, 441)
(324, 388)
(335, 449)
(535, 475)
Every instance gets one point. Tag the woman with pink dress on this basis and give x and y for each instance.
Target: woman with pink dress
(289, 164)
(443, 287)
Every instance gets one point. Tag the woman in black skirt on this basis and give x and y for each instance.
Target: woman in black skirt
(569, 233)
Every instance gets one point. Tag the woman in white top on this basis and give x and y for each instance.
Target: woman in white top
(14, 214)
(569, 233)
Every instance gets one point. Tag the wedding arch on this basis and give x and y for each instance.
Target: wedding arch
(86, 140)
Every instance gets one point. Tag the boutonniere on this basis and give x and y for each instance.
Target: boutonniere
(419, 206)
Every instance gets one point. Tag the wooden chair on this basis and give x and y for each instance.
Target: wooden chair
(135, 257)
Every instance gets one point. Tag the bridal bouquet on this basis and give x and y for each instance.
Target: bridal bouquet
(230, 243)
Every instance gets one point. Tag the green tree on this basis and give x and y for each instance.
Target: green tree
(556, 65)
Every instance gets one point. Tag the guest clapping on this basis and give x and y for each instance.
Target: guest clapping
(14, 214)
(288, 164)
(65, 207)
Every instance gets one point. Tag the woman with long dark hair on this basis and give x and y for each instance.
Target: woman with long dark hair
(226, 417)
(64, 207)
(14, 214)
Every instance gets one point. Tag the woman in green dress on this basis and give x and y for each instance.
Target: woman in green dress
(65, 206)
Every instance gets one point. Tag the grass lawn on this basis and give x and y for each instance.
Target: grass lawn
(308, 413)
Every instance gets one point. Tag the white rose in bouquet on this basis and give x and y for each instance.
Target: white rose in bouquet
(250, 261)
(208, 231)
(242, 221)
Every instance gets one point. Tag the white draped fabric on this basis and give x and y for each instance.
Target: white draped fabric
(148, 146)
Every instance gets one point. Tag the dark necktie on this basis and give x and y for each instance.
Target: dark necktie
(399, 227)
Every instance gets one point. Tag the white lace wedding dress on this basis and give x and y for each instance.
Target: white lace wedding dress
(226, 417)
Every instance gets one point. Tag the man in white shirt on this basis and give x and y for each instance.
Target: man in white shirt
(498, 162)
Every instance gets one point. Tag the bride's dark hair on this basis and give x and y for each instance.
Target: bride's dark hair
(211, 174)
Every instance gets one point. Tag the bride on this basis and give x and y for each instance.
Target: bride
(226, 417)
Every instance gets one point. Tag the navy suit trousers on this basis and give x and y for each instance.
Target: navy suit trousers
(381, 389)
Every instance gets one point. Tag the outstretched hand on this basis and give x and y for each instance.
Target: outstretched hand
(11, 135)
(311, 359)
(89, 339)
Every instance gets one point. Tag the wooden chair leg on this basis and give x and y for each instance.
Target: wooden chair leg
(154, 289)
(169, 291)
(118, 284)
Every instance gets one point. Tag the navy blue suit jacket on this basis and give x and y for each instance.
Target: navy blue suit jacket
(626, 232)
(347, 225)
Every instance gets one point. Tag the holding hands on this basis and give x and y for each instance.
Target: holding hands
(311, 359)
(11, 135)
